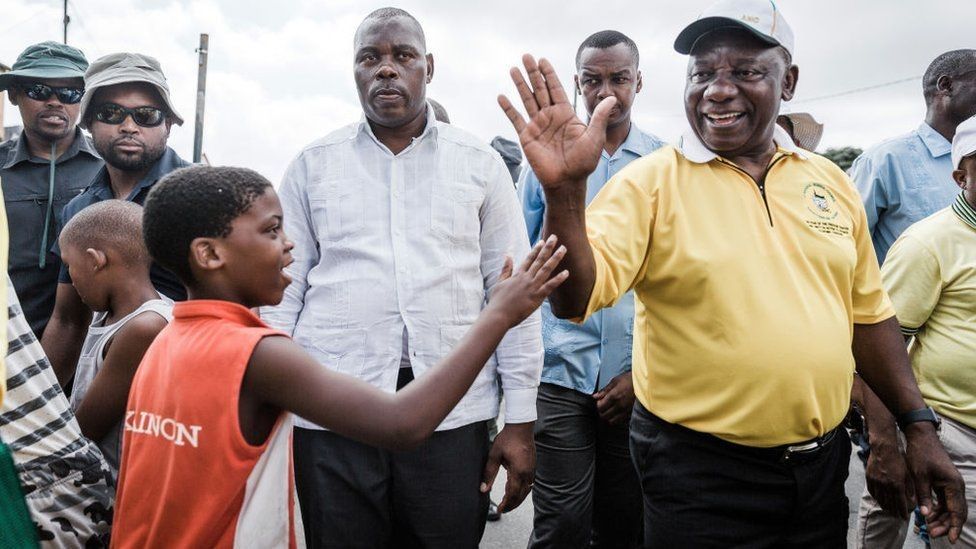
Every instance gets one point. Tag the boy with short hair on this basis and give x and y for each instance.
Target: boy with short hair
(108, 262)
(207, 456)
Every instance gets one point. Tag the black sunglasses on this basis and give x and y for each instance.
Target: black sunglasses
(147, 117)
(43, 92)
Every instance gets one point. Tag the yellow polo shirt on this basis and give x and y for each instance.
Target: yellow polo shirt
(930, 273)
(745, 299)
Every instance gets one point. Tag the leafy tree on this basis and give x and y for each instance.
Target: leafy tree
(843, 156)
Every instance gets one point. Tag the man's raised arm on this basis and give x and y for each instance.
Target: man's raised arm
(562, 151)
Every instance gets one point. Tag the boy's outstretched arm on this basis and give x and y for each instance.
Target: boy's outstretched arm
(281, 374)
(104, 404)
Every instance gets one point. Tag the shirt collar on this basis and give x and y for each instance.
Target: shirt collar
(21, 153)
(167, 163)
(693, 149)
(965, 212)
(636, 142)
(429, 128)
(934, 141)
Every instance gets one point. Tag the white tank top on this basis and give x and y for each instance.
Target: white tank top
(90, 362)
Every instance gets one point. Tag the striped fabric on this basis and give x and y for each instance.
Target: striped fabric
(964, 211)
(63, 475)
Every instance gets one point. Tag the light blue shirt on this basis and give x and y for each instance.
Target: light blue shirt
(586, 357)
(903, 180)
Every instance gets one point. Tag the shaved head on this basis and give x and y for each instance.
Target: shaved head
(385, 14)
(109, 225)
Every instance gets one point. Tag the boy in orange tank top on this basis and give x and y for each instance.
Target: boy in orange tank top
(206, 454)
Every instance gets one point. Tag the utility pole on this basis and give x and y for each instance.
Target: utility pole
(65, 21)
(201, 97)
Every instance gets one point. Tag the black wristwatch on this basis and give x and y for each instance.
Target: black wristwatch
(914, 416)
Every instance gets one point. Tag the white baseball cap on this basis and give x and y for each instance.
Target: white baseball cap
(964, 143)
(760, 17)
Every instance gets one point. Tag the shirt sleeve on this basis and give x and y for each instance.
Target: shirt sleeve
(298, 227)
(913, 277)
(870, 302)
(533, 204)
(871, 186)
(619, 222)
(519, 355)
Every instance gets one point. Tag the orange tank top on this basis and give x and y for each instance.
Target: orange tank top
(188, 477)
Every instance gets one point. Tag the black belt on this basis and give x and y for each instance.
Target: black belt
(806, 451)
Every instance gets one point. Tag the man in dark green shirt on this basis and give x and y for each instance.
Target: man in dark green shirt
(48, 165)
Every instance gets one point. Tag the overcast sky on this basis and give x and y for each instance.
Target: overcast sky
(281, 71)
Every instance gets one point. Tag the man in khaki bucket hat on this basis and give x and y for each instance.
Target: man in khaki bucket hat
(129, 112)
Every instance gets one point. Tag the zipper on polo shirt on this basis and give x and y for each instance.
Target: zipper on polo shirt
(761, 184)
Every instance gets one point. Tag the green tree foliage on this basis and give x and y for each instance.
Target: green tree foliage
(843, 156)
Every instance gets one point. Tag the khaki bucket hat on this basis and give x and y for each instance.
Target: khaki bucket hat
(125, 68)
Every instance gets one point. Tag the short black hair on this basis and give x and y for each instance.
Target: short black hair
(196, 202)
(391, 13)
(949, 63)
(607, 39)
(108, 225)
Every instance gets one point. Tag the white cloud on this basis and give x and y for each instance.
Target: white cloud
(280, 73)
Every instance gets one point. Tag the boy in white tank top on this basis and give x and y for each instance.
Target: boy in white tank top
(103, 249)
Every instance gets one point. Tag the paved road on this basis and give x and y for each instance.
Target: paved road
(512, 531)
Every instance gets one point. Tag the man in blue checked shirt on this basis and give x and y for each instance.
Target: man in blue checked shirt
(586, 493)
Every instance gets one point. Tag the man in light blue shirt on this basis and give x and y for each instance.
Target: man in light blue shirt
(904, 180)
(908, 178)
(586, 492)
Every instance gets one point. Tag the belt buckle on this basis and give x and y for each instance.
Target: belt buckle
(807, 448)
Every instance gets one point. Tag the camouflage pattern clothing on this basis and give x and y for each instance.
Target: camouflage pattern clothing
(66, 481)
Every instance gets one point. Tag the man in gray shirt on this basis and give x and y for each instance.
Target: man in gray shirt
(48, 165)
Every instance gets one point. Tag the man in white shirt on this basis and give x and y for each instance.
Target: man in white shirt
(401, 226)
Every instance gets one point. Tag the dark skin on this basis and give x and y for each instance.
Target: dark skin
(729, 74)
(953, 102)
(603, 73)
(110, 283)
(47, 122)
(886, 471)
(610, 72)
(281, 376)
(69, 322)
(392, 69)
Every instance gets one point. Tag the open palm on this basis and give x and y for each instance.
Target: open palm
(561, 149)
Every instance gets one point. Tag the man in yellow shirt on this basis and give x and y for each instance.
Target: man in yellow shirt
(757, 292)
(929, 273)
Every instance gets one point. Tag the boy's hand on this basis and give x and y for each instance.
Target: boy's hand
(516, 296)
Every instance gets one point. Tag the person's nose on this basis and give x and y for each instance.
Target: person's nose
(128, 125)
(721, 88)
(604, 91)
(386, 71)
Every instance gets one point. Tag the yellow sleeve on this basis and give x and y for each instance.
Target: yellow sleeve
(870, 301)
(618, 226)
(913, 278)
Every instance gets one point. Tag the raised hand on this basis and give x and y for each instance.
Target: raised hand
(561, 149)
(518, 295)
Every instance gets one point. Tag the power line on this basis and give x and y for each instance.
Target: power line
(858, 90)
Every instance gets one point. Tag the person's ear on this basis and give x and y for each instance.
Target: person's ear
(95, 259)
(430, 67)
(944, 84)
(960, 178)
(640, 82)
(576, 85)
(790, 79)
(205, 254)
(13, 94)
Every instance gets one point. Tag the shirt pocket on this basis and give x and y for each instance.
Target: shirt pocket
(455, 211)
(338, 209)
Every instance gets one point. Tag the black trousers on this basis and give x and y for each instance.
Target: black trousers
(357, 496)
(586, 493)
(702, 491)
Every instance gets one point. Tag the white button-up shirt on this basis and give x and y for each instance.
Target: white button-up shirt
(414, 241)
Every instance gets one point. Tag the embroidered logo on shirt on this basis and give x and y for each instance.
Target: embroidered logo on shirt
(821, 202)
(147, 423)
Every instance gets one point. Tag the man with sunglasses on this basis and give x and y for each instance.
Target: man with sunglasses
(48, 165)
(127, 109)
